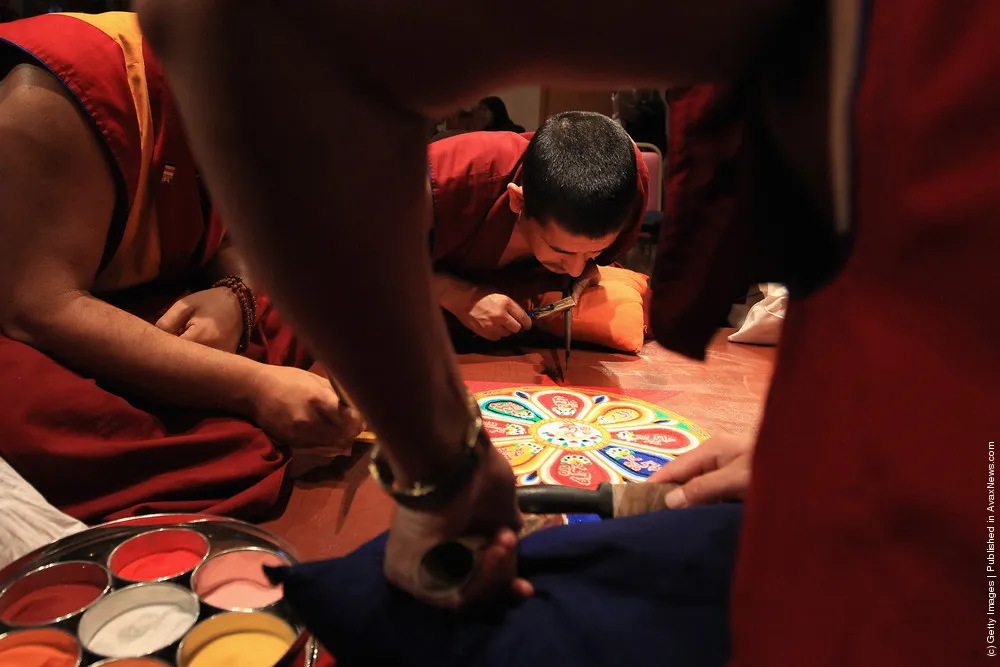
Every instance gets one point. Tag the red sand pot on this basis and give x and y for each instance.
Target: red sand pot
(158, 555)
(39, 648)
(234, 580)
(53, 593)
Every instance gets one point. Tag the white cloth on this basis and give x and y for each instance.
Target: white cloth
(27, 520)
(762, 322)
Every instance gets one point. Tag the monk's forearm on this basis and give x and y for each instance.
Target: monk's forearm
(123, 351)
(692, 42)
(352, 274)
(454, 294)
(228, 261)
(370, 329)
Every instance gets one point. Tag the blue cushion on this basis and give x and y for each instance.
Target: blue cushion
(652, 589)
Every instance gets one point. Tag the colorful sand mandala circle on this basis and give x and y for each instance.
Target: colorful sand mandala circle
(583, 437)
(570, 434)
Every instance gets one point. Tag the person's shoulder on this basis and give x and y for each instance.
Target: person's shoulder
(469, 173)
(476, 156)
(487, 144)
(31, 96)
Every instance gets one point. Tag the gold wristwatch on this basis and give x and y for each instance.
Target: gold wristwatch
(423, 496)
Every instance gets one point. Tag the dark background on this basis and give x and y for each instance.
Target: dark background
(14, 9)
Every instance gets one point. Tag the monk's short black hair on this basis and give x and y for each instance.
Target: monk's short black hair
(580, 171)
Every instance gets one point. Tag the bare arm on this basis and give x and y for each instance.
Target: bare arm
(453, 294)
(228, 261)
(331, 120)
(57, 196)
(437, 64)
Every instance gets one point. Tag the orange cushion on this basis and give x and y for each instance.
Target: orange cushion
(609, 314)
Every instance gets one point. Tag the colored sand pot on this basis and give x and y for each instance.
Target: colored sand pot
(41, 647)
(237, 639)
(130, 662)
(53, 593)
(158, 555)
(137, 621)
(234, 580)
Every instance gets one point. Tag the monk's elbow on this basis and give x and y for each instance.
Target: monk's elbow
(32, 320)
(17, 327)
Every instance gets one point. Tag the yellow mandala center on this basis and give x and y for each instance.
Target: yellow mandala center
(569, 434)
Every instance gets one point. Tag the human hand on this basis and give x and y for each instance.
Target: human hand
(494, 316)
(717, 470)
(211, 317)
(590, 276)
(486, 509)
(301, 409)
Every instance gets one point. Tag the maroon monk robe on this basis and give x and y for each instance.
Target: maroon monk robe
(98, 455)
(869, 534)
(473, 221)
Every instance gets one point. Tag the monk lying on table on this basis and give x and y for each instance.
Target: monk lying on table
(565, 198)
(134, 374)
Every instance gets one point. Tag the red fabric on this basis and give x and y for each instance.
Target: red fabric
(473, 221)
(659, 397)
(99, 456)
(735, 217)
(325, 660)
(868, 524)
(704, 220)
(186, 239)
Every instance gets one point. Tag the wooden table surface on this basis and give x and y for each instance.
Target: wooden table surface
(334, 510)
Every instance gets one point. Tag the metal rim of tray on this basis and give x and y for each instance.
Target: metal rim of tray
(97, 534)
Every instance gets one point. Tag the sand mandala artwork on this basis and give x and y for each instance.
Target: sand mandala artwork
(582, 437)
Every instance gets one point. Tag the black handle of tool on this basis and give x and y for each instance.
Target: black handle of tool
(553, 499)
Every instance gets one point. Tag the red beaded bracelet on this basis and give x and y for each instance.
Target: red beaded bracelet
(248, 306)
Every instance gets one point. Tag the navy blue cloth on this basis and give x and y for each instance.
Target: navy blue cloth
(648, 590)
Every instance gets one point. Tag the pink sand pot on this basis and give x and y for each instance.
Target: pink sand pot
(234, 580)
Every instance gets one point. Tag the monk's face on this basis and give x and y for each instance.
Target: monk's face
(555, 247)
(561, 251)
